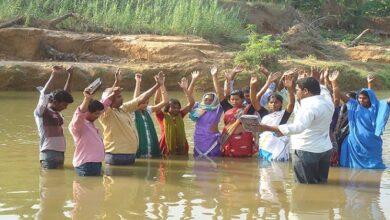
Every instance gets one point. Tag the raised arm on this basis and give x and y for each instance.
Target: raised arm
(69, 80)
(370, 80)
(217, 88)
(289, 84)
(118, 78)
(49, 86)
(272, 77)
(159, 78)
(253, 88)
(229, 78)
(86, 100)
(337, 94)
(137, 89)
(194, 75)
(160, 104)
(190, 99)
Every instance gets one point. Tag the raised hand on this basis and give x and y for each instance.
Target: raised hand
(239, 68)
(254, 79)
(263, 69)
(213, 70)
(274, 76)
(87, 93)
(70, 69)
(370, 78)
(326, 73)
(315, 72)
(288, 81)
(118, 75)
(334, 75)
(183, 83)
(290, 72)
(160, 78)
(57, 69)
(195, 75)
(138, 77)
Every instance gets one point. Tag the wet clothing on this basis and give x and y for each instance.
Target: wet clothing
(362, 148)
(173, 137)
(148, 140)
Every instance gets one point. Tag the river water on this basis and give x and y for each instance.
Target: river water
(175, 188)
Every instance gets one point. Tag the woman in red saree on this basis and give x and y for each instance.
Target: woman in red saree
(235, 141)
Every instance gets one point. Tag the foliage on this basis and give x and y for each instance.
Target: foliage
(258, 49)
(204, 18)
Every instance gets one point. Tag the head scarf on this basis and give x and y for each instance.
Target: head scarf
(200, 109)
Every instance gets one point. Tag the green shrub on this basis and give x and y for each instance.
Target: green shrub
(258, 49)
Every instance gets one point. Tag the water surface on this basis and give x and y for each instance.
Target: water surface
(175, 188)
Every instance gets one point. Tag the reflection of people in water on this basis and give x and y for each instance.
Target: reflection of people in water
(88, 195)
(52, 193)
(237, 188)
(362, 190)
(273, 188)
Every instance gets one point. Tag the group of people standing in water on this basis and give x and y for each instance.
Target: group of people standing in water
(324, 132)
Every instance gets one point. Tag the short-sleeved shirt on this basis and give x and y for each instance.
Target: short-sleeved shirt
(119, 130)
(89, 145)
(49, 123)
(226, 106)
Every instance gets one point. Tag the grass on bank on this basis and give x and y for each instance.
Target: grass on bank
(203, 18)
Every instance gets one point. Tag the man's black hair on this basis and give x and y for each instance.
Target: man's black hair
(60, 95)
(311, 84)
(94, 106)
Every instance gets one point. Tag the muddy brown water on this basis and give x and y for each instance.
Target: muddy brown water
(175, 188)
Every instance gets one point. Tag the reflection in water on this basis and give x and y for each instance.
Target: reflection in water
(362, 193)
(273, 187)
(88, 195)
(52, 193)
(186, 188)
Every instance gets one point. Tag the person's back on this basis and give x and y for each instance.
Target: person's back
(316, 137)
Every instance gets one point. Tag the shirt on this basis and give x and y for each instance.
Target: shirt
(120, 134)
(310, 129)
(49, 123)
(89, 145)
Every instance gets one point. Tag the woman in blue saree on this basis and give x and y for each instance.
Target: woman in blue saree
(362, 148)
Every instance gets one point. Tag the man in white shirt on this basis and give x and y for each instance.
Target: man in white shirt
(309, 132)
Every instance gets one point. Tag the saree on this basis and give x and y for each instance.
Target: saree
(271, 146)
(206, 142)
(240, 144)
(148, 140)
(173, 138)
(362, 148)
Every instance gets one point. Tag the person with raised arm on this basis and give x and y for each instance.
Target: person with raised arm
(367, 118)
(148, 141)
(235, 141)
(271, 146)
(49, 120)
(309, 132)
(173, 139)
(120, 133)
(206, 116)
(89, 147)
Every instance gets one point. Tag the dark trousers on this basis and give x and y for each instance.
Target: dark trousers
(311, 168)
(89, 169)
(119, 159)
(51, 159)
